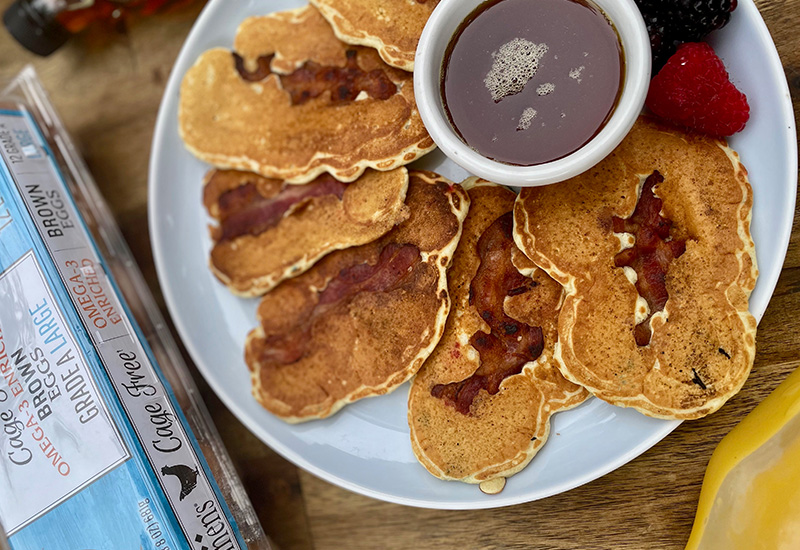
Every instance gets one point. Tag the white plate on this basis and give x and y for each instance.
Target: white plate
(365, 447)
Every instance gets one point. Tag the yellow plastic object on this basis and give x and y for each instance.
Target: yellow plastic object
(750, 498)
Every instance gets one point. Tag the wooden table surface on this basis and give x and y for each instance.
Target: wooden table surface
(108, 91)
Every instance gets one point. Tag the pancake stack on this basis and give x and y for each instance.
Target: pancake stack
(313, 209)
(653, 249)
(292, 101)
(480, 407)
(268, 231)
(392, 28)
(362, 320)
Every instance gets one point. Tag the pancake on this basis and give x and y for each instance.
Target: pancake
(293, 102)
(467, 422)
(362, 320)
(657, 273)
(268, 231)
(392, 28)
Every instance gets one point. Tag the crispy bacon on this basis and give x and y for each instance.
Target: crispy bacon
(510, 344)
(653, 251)
(243, 211)
(262, 71)
(392, 270)
(312, 80)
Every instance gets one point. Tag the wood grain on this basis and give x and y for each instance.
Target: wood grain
(108, 91)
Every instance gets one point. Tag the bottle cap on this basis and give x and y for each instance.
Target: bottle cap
(38, 32)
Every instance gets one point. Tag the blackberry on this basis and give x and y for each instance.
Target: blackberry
(670, 23)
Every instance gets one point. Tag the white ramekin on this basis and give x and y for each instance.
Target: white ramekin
(441, 26)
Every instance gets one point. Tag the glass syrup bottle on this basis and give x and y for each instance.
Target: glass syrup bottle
(43, 26)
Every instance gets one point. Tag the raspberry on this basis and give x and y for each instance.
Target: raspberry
(693, 90)
(673, 22)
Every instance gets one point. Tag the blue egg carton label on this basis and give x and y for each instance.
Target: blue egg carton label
(94, 451)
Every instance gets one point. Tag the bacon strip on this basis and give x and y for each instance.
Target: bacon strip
(650, 256)
(392, 270)
(243, 211)
(262, 71)
(510, 344)
(312, 80)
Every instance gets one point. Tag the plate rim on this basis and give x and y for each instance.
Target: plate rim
(161, 128)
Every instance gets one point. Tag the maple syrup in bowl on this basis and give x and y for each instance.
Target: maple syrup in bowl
(531, 92)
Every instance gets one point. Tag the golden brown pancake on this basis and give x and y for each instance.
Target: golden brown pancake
(293, 101)
(480, 407)
(393, 28)
(362, 320)
(657, 273)
(268, 231)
